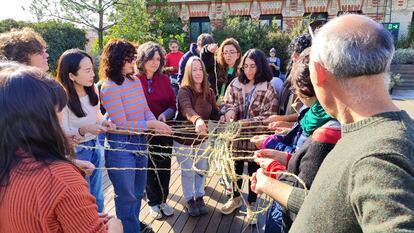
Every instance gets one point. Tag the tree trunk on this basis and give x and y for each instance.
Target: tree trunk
(100, 29)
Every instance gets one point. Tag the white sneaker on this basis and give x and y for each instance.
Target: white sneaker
(166, 209)
(155, 212)
(252, 219)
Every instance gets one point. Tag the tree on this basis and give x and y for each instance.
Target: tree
(139, 23)
(89, 13)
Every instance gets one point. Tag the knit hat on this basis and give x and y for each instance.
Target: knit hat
(273, 50)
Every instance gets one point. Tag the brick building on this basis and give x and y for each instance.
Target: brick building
(201, 15)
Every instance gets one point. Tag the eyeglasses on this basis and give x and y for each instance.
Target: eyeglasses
(230, 52)
(150, 90)
(130, 59)
(252, 66)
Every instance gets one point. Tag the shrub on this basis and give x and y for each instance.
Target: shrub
(403, 56)
(58, 36)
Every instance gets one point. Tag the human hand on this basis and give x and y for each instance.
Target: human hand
(273, 118)
(263, 162)
(94, 129)
(73, 139)
(162, 118)
(109, 125)
(230, 116)
(201, 127)
(86, 166)
(114, 225)
(212, 48)
(160, 127)
(276, 125)
(272, 154)
(259, 181)
(258, 140)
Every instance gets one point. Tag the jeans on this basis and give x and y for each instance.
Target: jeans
(191, 181)
(128, 185)
(158, 181)
(274, 219)
(95, 180)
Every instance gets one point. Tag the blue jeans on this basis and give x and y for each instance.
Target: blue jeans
(274, 219)
(95, 180)
(129, 185)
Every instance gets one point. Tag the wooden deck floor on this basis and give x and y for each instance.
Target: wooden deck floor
(181, 221)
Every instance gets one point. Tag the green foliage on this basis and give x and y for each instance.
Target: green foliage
(59, 36)
(407, 41)
(403, 56)
(134, 23)
(250, 34)
(395, 80)
(8, 24)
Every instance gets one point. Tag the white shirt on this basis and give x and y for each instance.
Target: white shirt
(71, 123)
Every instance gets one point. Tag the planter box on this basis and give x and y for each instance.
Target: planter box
(407, 76)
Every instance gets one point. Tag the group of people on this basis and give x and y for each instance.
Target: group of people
(340, 158)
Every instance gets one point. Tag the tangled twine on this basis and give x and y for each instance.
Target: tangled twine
(218, 154)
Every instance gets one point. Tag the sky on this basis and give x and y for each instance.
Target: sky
(13, 9)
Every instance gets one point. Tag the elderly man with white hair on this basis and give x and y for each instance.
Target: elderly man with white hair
(366, 183)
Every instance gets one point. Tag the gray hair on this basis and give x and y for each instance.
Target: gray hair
(352, 53)
(146, 52)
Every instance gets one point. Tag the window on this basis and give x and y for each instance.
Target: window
(317, 16)
(348, 12)
(315, 20)
(272, 20)
(199, 26)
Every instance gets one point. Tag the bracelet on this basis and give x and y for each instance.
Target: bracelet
(79, 132)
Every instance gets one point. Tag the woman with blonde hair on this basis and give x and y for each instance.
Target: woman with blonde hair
(196, 105)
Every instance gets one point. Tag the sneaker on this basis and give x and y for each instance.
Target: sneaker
(231, 205)
(192, 208)
(145, 228)
(252, 219)
(166, 209)
(155, 212)
(202, 208)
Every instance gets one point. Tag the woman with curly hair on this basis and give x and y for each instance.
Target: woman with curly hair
(221, 64)
(24, 46)
(161, 101)
(124, 100)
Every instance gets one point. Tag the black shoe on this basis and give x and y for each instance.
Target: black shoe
(145, 228)
(202, 208)
(192, 208)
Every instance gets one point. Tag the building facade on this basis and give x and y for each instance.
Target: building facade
(201, 16)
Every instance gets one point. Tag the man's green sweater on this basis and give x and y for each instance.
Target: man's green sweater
(366, 183)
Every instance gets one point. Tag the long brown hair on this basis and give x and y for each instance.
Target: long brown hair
(223, 68)
(188, 81)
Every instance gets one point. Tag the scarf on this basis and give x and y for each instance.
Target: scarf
(314, 118)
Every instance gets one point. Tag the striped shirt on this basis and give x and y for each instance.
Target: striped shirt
(126, 104)
(48, 198)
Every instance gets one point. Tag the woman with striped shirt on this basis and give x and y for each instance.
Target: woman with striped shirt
(124, 100)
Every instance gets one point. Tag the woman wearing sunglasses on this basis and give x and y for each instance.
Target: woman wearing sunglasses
(161, 101)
